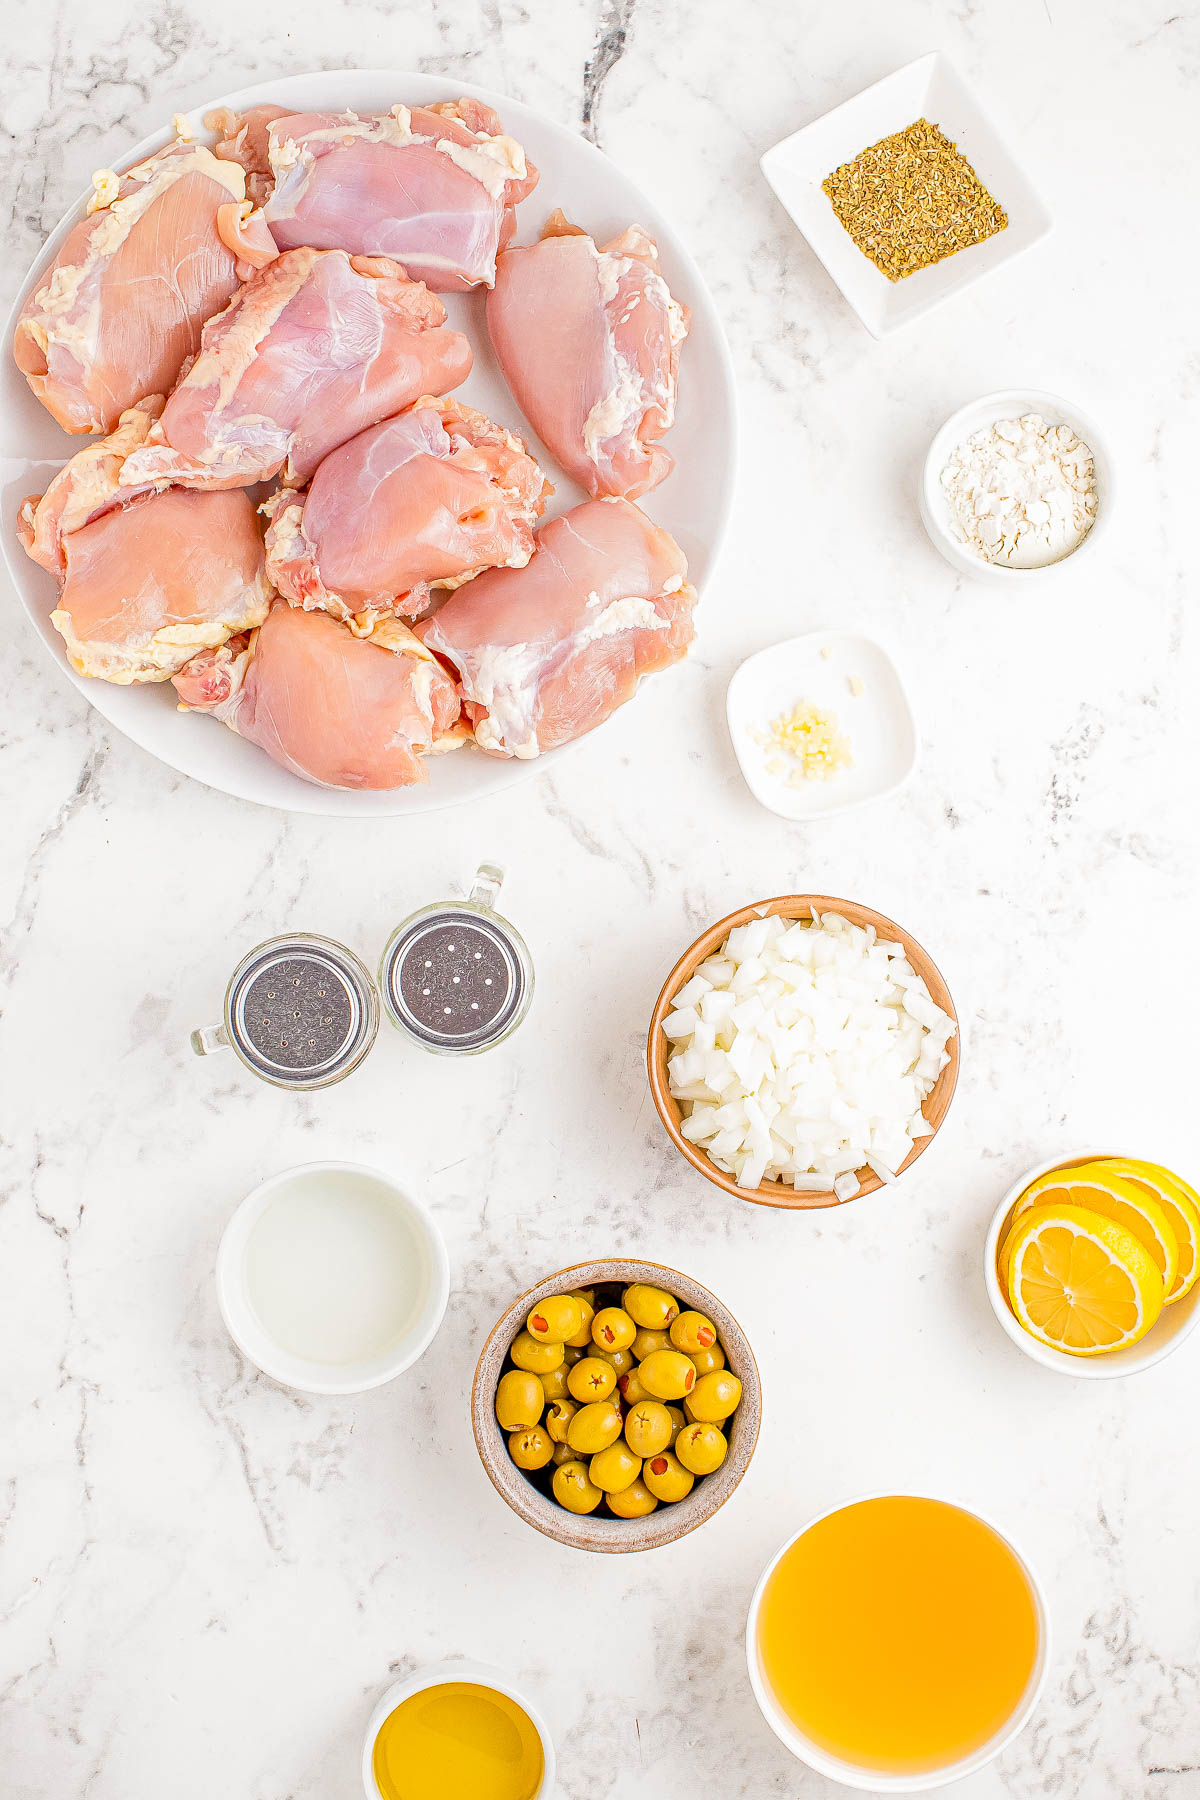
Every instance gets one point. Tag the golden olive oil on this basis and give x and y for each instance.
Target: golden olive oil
(899, 1634)
(458, 1739)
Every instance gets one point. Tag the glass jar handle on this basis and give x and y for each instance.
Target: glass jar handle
(486, 886)
(209, 1038)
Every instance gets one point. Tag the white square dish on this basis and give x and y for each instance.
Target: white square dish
(821, 667)
(928, 88)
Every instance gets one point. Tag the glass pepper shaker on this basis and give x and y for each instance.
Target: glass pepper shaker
(456, 977)
(301, 1012)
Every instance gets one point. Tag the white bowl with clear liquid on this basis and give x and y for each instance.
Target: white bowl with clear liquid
(332, 1278)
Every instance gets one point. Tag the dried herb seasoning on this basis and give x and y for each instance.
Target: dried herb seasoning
(912, 199)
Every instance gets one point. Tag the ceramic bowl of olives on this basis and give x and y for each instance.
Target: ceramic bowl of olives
(616, 1405)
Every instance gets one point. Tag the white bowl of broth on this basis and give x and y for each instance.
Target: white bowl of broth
(454, 1730)
(897, 1643)
(332, 1278)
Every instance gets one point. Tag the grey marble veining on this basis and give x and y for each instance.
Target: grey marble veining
(205, 1580)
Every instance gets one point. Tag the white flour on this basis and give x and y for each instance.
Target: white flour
(1022, 493)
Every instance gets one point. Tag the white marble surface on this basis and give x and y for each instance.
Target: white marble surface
(206, 1580)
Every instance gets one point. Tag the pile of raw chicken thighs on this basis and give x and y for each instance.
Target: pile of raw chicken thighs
(265, 311)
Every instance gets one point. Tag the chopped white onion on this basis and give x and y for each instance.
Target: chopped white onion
(802, 1052)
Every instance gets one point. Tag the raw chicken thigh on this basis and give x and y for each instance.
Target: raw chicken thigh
(429, 498)
(242, 138)
(336, 709)
(547, 652)
(315, 347)
(281, 290)
(434, 186)
(123, 303)
(145, 580)
(588, 340)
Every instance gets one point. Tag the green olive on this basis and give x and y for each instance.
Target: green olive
(647, 1342)
(530, 1448)
(587, 1295)
(633, 1502)
(591, 1379)
(527, 1353)
(613, 1469)
(563, 1453)
(555, 1319)
(572, 1489)
(520, 1400)
(622, 1360)
(571, 1354)
(558, 1416)
(650, 1307)
(648, 1428)
(554, 1382)
(668, 1375)
(714, 1397)
(691, 1331)
(666, 1477)
(613, 1329)
(701, 1448)
(582, 1339)
(594, 1428)
(705, 1361)
(631, 1388)
(678, 1421)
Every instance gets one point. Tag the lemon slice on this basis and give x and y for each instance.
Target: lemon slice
(1098, 1187)
(1181, 1204)
(1080, 1282)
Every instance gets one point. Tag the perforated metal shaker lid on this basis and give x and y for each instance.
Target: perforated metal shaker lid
(456, 976)
(301, 1011)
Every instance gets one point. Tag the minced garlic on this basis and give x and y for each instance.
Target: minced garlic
(805, 744)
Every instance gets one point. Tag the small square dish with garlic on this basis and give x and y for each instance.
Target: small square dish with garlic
(821, 724)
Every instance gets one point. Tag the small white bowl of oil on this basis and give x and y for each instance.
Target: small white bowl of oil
(331, 1278)
(457, 1729)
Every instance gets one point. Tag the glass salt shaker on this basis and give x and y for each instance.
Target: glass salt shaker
(301, 1012)
(456, 976)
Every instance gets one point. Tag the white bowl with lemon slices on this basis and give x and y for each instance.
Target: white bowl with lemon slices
(1098, 1253)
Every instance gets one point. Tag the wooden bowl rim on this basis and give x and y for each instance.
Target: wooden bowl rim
(595, 1531)
(796, 906)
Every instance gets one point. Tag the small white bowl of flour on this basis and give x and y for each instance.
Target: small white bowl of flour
(1015, 484)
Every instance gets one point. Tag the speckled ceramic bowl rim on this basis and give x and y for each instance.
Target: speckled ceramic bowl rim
(1175, 1323)
(440, 1675)
(875, 1781)
(1006, 402)
(602, 1533)
(794, 906)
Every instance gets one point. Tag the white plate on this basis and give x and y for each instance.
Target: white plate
(926, 89)
(878, 722)
(693, 504)
(978, 415)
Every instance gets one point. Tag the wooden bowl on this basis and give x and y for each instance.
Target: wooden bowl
(792, 906)
(599, 1530)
